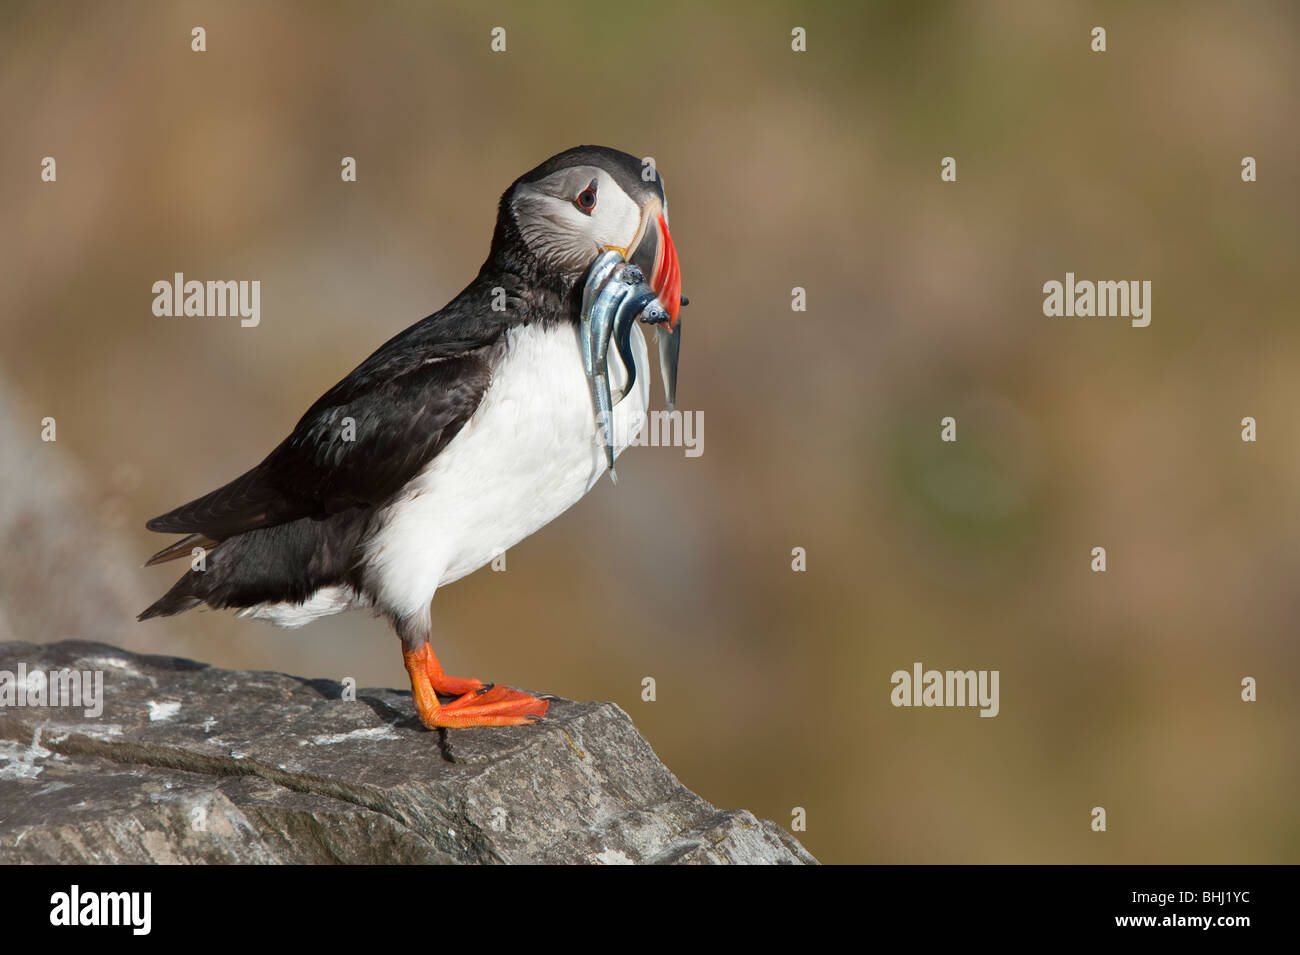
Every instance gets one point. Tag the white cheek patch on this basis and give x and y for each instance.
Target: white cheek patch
(617, 217)
(562, 234)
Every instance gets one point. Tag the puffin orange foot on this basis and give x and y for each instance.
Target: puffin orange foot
(476, 703)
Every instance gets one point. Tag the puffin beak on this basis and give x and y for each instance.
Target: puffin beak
(656, 256)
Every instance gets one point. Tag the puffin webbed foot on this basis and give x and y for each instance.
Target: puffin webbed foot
(476, 703)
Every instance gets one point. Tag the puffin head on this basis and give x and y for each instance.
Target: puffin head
(591, 199)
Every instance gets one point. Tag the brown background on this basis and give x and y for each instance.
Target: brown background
(821, 429)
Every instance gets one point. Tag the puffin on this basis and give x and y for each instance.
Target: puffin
(459, 437)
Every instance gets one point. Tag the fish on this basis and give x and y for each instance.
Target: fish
(615, 295)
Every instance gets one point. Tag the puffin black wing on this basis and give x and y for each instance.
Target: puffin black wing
(359, 444)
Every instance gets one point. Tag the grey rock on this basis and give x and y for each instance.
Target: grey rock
(188, 763)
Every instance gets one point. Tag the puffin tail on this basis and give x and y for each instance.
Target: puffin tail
(177, 600)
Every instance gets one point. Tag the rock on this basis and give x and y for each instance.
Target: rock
(188, 764)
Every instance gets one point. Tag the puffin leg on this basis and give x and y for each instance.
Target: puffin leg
(476, 703)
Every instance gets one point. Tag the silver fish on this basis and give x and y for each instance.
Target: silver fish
(670, 346)
(615, 295)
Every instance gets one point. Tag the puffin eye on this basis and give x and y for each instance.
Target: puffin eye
(586, 201)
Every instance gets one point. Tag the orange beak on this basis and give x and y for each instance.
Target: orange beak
(666, 279)
(656, 257)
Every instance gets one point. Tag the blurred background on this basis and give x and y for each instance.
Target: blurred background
(818, 170)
